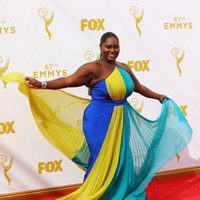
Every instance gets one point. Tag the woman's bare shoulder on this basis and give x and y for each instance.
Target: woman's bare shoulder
(92, 69)
(124, 66)
(90, 66)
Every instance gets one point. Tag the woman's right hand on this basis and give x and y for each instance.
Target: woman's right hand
(32, 82)
(162, 97)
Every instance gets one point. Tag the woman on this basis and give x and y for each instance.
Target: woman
(120, 149)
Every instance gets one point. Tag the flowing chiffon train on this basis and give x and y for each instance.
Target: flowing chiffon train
(119, 149)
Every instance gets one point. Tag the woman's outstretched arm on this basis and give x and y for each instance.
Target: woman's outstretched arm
(141, 89)
(81, 77)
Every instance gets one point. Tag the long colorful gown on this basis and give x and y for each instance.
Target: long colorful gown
(120, 149)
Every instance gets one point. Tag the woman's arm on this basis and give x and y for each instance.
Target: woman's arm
(81, 77)
(141, 89)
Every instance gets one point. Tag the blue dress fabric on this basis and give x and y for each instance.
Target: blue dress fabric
(146, 145)
(120, 149)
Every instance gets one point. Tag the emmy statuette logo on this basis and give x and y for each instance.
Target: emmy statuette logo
(43, 14)
(176, 53)
(3, 67)
(134, 11)
(135, 103)
(89, 56)
(6, 166)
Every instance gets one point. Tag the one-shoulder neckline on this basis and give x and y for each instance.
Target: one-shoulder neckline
(105, 77)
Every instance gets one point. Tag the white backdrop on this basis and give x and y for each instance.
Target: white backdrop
(48, 39)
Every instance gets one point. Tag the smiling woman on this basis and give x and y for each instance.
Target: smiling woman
(109, 46)
(119, 149)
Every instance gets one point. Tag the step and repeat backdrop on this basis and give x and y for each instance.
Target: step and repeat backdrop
(47, 39)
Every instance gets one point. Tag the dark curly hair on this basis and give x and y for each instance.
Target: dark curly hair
(106, 35)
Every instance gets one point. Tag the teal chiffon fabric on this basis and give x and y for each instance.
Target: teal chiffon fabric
(146, 147)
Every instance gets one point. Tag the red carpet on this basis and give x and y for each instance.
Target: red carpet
(176, 188)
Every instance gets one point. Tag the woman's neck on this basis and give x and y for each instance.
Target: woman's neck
(108, 62)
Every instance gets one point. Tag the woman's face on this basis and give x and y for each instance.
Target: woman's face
(110, 49)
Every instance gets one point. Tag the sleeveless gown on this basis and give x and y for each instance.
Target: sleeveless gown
(119, 149)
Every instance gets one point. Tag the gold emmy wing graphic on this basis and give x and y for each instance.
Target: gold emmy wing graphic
(4, 68)
(134, 11)
(6, 168)
(179, 57)
(134, 102)
(89, 56)
(43, 13)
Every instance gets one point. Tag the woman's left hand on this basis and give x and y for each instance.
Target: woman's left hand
(161, 98)
(32, 82)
